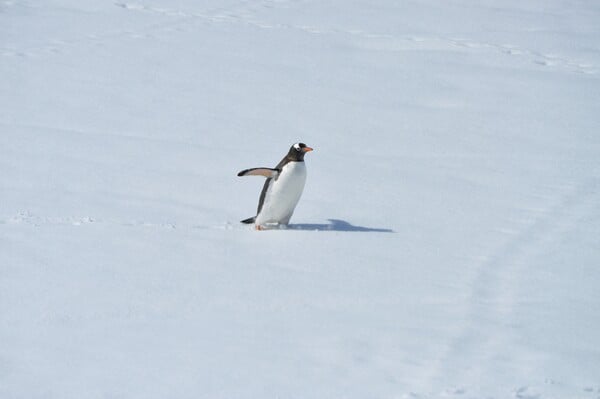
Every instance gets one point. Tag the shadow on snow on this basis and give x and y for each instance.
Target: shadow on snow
(337, 225)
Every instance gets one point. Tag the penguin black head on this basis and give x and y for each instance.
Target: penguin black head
(297, 151)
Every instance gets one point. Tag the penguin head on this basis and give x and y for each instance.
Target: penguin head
(298, 150)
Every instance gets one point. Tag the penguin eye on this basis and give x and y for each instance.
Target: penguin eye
(297, 147)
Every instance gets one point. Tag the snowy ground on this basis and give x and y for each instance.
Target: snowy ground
(447, 243)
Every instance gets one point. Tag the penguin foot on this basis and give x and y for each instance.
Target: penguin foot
(271, 226)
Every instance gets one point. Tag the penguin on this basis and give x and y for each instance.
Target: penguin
(282, 190)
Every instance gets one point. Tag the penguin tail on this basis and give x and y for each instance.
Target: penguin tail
(249, 220)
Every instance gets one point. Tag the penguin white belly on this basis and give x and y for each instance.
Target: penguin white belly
(283, 194)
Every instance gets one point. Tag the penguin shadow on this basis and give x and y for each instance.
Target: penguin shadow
(337, 225)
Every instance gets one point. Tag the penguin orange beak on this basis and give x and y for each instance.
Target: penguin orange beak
(307, 149)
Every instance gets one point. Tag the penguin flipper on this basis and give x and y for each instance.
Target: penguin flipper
(266, 172)
(249, 220)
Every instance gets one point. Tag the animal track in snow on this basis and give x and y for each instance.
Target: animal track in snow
(496, 301)
(389, 42)
(525, 392)
(454, 392)
(245, 13)
(25, 217)
(29, 219)
(535, 57)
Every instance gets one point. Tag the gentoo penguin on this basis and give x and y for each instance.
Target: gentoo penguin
(282, 190)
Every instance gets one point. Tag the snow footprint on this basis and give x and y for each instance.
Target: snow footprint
(525, 392)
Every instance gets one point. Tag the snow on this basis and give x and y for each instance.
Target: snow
(446, 244)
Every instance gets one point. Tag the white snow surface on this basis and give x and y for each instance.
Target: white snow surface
(447, 244)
